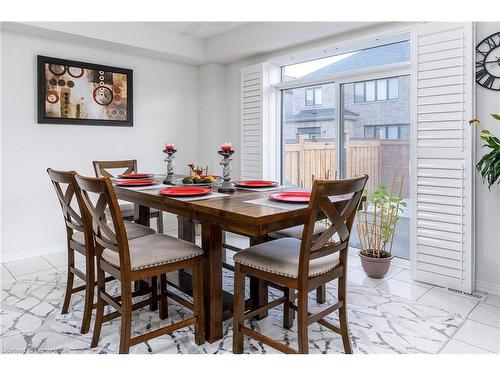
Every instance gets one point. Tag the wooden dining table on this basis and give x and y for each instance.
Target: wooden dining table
(232, 213)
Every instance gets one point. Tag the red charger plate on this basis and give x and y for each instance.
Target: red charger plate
(136, 175)
(255, 183)
(136, 183)
(185, 191)
(291, 196)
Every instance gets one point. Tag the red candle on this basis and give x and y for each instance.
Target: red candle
(226, 147)
(170, 147)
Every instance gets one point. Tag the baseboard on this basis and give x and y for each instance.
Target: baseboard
(490, 288)
(31, 253)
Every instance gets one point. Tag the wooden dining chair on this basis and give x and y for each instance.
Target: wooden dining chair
(302, 265)
(79, 238)
(103, 168)
(131, 260)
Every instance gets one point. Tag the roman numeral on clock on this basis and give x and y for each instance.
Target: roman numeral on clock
(481, 74)
(489, 82)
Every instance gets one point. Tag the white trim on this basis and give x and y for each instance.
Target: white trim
(489, 288)
(395, 35)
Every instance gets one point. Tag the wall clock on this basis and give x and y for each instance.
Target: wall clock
(488, 62)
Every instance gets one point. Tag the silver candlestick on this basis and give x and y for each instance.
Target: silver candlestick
(170, 165)
(227, 186)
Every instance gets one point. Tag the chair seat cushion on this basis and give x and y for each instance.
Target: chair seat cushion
(281, 257)
(133, 231)
(154, 250)
(296, 232)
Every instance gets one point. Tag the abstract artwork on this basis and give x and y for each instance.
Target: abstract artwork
(73, 92)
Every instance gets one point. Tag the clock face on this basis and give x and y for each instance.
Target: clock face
(488, 62)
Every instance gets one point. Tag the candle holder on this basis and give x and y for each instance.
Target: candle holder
(227, 186)
(170, 165)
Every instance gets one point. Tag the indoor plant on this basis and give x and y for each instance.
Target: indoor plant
(376, 228)
(489, 165)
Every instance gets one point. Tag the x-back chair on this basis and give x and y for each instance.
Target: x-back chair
(80, 239)
(131, 260)
(302, 265)
(104, 168)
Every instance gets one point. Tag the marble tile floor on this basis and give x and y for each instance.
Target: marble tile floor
(390, 315)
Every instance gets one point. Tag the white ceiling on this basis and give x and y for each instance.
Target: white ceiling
(202, 30)
(193, 43)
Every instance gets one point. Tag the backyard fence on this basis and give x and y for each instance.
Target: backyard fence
(379, 158)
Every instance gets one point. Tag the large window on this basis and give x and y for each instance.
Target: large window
(377, 143)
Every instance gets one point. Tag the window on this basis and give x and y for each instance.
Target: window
(387, 131)
(365, 58)
(313, 96)
(379, 90)
(359, 92)
(393, 88)
(310, 133)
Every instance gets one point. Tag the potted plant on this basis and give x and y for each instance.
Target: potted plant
(376, 228)
(489, 165)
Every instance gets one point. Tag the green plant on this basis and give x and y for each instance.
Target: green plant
(489, 165)
(377, 233)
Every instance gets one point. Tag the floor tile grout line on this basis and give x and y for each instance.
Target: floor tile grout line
(486, 324)
(475, 346)
(8, 271)
(458, 328)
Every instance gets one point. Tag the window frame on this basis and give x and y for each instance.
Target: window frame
(314, 96)
(376, 82)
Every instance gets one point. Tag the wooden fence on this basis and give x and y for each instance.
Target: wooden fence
(379, 158)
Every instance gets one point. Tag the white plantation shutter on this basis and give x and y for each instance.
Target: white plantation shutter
(443, 148)
(259, 155)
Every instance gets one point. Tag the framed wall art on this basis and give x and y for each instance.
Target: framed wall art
(74, 92)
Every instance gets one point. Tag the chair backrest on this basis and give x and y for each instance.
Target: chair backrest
(102, 167)
(112, 237)
(323, 197)
(67, 191)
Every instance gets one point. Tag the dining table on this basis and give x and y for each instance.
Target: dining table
(245, 212)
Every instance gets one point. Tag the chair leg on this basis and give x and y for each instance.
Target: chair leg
(69, 289)
(239, 306)
(126, 317)
(288, 313)
(101, 287)
(153, 306)
(302, 326)
(199, 312)
(163, 297)
(89, 294)
(344, 325)
(159, 222)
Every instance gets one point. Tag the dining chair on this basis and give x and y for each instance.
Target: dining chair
(103, 168)
(131, 260)
(79, 238)
(302, 265)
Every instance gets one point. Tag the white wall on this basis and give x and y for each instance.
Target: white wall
(487, 202)
(212, 113)
(165, 110)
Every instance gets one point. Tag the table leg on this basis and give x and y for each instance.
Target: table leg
(141, 216)
(259, 290)
(186, 229)
(211, 242)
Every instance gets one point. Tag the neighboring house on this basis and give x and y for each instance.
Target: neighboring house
(371, 107)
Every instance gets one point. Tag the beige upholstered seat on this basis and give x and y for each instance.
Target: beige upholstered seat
(133, 231)
(154, 250)
(281, 257)
(296, 232)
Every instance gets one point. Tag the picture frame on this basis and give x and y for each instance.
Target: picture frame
(79, 93)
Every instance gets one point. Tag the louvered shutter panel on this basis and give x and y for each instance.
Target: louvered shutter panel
(260, 127)
(442, 170)
(252, 122)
